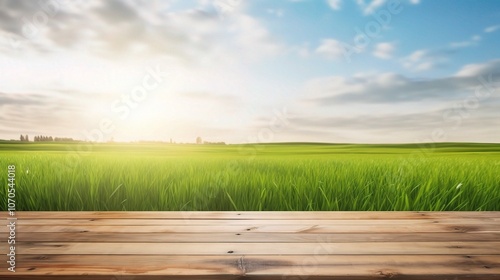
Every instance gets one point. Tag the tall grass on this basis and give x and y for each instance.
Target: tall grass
(265, 177)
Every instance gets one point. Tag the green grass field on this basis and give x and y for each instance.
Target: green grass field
(449, 176)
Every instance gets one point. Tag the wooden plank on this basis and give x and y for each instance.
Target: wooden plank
(176, 222)
(318, 248)
(493, 228)
(267, 215)
(250, 237)
(256, 245)
(362, 266)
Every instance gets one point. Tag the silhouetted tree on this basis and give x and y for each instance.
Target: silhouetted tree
(198, 140)
(27, 139)
(22, 138)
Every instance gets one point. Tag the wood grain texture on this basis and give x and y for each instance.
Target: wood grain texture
(251, 237)
(211, 222)
(288, 228)
(255, 245)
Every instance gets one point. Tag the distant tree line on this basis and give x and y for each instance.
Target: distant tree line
(200, 141)
(42, 138)
(214, 143)
(63, 139)
(24, 138)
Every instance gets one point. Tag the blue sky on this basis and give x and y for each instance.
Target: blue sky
(241, 71)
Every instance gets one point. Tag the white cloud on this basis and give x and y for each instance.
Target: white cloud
(468, 43)
(475, 70)
(367, 6)
(332, 49)
(371, 7)
(384, 50)
(462, 44)
(334, 4)
(490, 29)
(395, 88)
(423, 60)
(414, 59)
(251, 37)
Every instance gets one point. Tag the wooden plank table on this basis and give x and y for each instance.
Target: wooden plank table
(254, 245)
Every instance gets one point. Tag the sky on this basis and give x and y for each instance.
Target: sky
(380, 71)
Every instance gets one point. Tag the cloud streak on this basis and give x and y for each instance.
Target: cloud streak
(394, 88)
